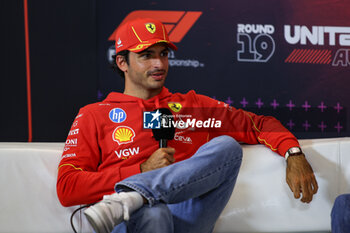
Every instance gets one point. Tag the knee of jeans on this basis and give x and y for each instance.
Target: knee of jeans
(158, 212)
(157, 218)
(230, 145)
(342, 200)
(339, 204)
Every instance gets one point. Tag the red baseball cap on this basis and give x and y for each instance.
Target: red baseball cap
(139, 34)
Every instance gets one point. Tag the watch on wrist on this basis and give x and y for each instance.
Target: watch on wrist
(293, 151)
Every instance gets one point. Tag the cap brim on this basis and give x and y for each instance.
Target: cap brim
(142, 46)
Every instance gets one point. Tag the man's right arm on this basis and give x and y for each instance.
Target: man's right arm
(79, 181)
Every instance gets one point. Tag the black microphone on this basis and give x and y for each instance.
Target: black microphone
(167, 130)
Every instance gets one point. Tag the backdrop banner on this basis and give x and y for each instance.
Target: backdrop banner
(289, 59)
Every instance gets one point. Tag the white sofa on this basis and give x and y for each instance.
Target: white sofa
(261, 201)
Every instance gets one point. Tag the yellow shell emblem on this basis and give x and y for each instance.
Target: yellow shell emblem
(151, 27)
(123, 135)
(176, 107)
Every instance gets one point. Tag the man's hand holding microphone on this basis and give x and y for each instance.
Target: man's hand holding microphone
(164, 156)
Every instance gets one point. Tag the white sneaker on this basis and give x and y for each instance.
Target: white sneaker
(112, 210)
(106, 214)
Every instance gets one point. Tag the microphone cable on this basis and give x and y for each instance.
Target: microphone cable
(74, 212)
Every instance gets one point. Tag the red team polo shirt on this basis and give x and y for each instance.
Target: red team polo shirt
(108, 141)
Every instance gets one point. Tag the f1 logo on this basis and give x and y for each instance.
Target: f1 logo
(177, 23)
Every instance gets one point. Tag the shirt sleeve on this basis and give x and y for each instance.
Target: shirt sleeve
(79, 180)
(246, 126)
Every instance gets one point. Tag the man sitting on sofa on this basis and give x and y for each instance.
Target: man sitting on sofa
(182, 187)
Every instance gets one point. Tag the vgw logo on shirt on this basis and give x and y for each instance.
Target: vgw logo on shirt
(127, 153)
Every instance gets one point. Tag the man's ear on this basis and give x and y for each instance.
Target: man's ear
(121, 63)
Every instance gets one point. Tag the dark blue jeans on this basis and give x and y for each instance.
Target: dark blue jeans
(341, 214)
(187, 196)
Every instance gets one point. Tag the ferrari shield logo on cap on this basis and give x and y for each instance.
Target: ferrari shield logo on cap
(151, 27)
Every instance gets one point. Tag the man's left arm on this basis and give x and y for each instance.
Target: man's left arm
(252, 129)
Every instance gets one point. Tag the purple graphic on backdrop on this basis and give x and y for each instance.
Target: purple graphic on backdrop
(244, 102)
(274, 104)
(322, 106)
(290, 105)
(322, 126)
(306, 106)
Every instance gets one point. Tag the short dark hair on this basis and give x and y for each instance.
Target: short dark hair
(125, 54)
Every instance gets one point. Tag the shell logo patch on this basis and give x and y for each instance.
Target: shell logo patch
(123, 135)
(176, 107)
(151, 27)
